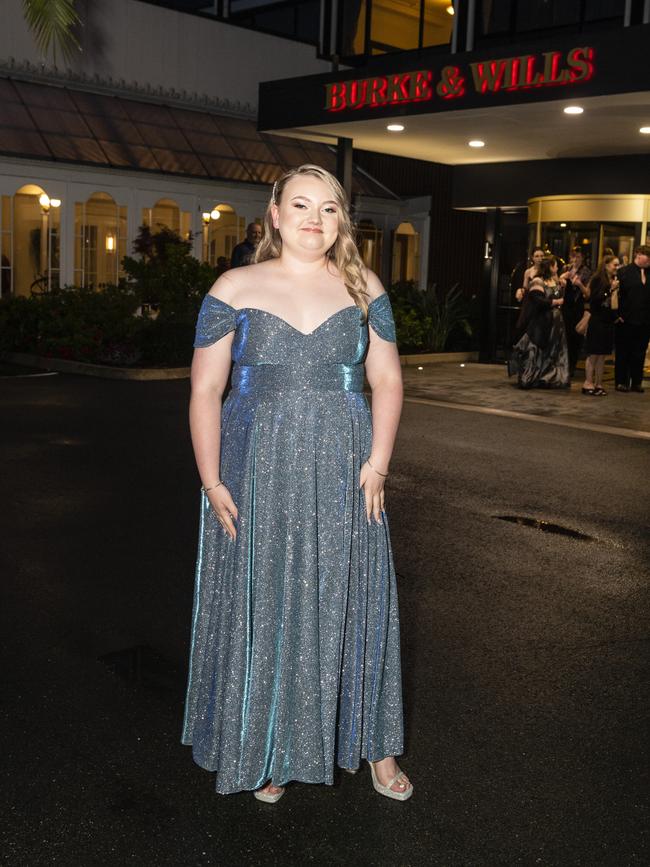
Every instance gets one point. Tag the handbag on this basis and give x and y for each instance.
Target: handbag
(581, 327)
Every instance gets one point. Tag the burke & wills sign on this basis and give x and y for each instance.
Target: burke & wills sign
(548, 69)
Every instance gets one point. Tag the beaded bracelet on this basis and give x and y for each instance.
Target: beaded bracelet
(205, 490)
(384, 475)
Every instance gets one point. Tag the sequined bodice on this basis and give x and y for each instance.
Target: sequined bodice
(331, 356)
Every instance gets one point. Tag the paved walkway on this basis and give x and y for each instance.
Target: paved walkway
(488, 386)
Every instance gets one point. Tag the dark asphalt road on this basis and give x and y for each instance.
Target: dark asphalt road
(525, 654)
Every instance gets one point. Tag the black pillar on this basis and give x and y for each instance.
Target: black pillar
(344, 165)
(490, 285)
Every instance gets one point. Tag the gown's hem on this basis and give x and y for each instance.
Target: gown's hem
(329, 781)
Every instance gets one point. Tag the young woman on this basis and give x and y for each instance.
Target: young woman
(536, 258)
(540, 356)
(602, 294)
(295, 663)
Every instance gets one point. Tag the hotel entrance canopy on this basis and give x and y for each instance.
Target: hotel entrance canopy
(511, 99)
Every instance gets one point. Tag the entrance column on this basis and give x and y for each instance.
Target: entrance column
(344, 165)
(490, 285)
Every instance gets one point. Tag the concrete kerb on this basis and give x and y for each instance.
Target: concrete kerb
(62, 365)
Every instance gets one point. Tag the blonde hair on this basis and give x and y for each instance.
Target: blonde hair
(343, 253)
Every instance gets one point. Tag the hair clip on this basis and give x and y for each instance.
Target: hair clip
(275, 187)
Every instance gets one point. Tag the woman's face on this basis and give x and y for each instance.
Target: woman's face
(307, 216)
(612, 266)
(538, 255)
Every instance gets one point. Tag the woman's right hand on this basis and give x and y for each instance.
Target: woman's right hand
(519, 294)
(224, 508)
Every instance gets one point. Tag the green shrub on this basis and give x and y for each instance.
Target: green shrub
(428, 320)
(102, 326)
(166, 275)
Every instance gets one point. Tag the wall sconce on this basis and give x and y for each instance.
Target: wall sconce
(450, 10)
(110, 243)
(487, 253)
(205, 216)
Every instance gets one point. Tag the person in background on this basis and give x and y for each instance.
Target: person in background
(602, 294)
(574, 282)
(531, 271)
(244, 253)
(222, 265)
(540, 358)
(633, 323)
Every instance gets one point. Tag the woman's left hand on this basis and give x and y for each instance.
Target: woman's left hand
(373, 489)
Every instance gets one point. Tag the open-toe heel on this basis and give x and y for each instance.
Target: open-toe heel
(387, 791)
(267, 798)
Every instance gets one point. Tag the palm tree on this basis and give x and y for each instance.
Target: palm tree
(52, 23)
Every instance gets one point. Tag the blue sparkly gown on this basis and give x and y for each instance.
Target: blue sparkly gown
(295, 660)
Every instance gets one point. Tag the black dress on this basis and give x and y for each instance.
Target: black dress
(600, 332)
(540, 358)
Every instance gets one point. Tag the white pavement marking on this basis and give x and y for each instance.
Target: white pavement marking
(29, 375)
(523, 416)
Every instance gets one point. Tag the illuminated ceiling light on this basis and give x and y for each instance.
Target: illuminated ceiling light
(645, 130)
(562, 225)
(56, 203)
(476, 143)
(44, 200)
(395, 127)
(450, 10)
(215, 214)
(110, 243)
(573, 109)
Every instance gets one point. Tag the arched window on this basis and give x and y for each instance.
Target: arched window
(406, 254)
(166, 213)
(30, 241)
(369, 242)
(100, 241)
(221, 234)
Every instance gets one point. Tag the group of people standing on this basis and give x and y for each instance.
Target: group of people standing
(606, 309)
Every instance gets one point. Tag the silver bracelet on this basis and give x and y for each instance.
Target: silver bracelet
(384, 475)
(205, 490)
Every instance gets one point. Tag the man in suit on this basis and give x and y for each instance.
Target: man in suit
(633, 323)
(244, 253)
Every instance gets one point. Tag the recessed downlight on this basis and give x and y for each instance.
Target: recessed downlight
(573, 109)
(645, 130)
(476, 143)
(562, 225)
(395, 127)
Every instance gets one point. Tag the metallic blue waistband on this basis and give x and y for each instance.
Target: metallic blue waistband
(298, 377)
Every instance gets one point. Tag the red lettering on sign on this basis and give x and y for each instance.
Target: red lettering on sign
(335, 96)
(423, 85)
(358, 93)
(377, 91)
(581, 64)
(489, 76)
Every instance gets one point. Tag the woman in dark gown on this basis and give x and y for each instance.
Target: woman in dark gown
(540, 356)
(602, 294)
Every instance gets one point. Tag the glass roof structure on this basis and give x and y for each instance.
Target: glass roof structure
(61, 124)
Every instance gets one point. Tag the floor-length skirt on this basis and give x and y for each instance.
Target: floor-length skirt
(547, 366)
(295, 661)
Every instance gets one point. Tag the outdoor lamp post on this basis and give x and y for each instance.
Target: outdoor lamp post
(46, 204)
(208, 217)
